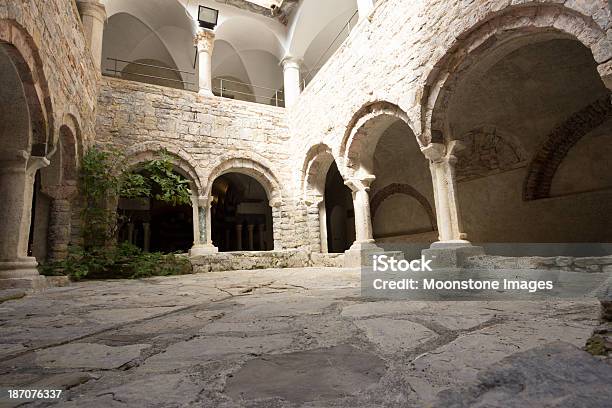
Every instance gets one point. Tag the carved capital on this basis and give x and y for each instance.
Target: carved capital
(291, 62)
(205, 40)
(63, 192)
(361, 183)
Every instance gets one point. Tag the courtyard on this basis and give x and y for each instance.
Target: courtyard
(293, 337)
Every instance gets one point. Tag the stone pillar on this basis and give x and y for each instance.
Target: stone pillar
(202, 242)
(364, 8)
(17, 172)
(605, 71)
(93, 15)
(131, 233)
(146, 227)
(227, 239)
(262, 242)
(239, 237)
(291, 75)
(250, 229)
(361, 204)
(452, 247)
(323, 227)
(60, 220)
(205, 40)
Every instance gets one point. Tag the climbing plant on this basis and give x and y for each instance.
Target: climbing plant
(100, 187)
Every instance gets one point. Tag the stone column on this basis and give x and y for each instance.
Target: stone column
(227, 239)
(93, 15)
(452, 247)
(442, 166)
(60, 220)
(146, 227)
(205, 41)
(262, 242)
(323, 227)
(364, 8)
(250, 229)
(202, 242)
(239, 237)
(291, 75)
(361, 204)
(131, 233)
(17, 172)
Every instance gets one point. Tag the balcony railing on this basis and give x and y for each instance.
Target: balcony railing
(124, 69)
(342, 35)
(227, 88)
(169, 77)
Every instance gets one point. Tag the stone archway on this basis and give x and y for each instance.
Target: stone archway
(155, 225)
(263, 175)
(317, 164)
(24, 130)
(502, 90)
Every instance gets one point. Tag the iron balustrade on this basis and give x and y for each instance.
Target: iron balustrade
(226, 92)
(119, 73)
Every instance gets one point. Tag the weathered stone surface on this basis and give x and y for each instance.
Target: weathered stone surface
(87, 355)
(315, 375)
(553, 375)
(392, 335)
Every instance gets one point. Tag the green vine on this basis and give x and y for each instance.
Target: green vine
(100, 188)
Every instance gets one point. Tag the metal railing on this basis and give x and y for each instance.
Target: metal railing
(333, 46)
(119, 71)
(230, 92)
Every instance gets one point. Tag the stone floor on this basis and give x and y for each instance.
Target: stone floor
(284, 338)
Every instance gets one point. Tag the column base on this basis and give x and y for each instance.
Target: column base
(451, 254)
(21, 274)
(360, 254)
(199, 250)
(206, 92)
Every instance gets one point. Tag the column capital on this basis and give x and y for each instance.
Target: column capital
(439, 152)
(289, 61)
(361, 183)
(205, 40)
(92, 8)
(62, 192)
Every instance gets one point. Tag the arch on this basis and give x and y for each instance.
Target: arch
(357, 144)
(21, 49)
(182, 161)
(318, 160)
(553, 151)
(262, 174)
(507, 30)
(405, 189)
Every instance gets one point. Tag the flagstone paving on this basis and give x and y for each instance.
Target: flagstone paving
(278, 338)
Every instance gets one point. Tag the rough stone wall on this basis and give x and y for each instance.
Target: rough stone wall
(54, 28)
(430, 38)
(369, 68)
(206, 133)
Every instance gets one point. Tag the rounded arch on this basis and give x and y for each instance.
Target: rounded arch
(319, 159)
(557, 145)
(182, 161)
(22, 52)
(262, 174)
(365, 129)
(405, 189)
(496, 37)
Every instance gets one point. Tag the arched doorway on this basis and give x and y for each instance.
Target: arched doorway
(241, 216)
(23, 136)
(534, 119)
(156, 225)
(340, 215)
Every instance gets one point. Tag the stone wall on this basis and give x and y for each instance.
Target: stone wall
(209, 136)
(426, 33)
(53, 30)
